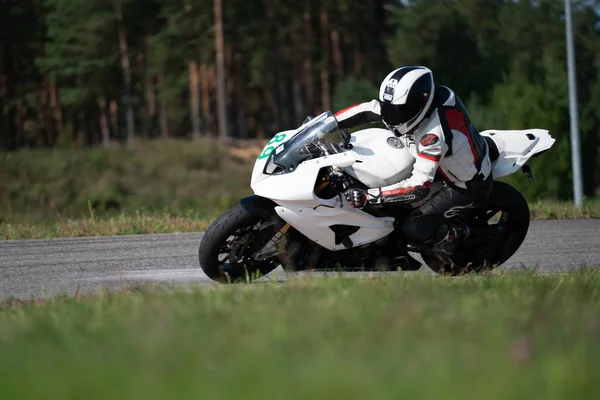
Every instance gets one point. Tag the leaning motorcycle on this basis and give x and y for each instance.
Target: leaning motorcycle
(299, 218)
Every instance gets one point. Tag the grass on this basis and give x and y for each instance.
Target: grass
(564, 210)
(140, 222)
(204, 175)
(514, 335)
(170, 221)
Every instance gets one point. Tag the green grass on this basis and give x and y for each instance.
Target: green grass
(506, 336)
(170, 221)
(140, 222)
(204, 175)
(564, 210)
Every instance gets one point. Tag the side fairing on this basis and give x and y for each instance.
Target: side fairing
(299, 185)
(375, 159)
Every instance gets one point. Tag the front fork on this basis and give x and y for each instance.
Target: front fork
(273, 246)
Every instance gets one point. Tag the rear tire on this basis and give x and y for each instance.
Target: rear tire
(509, 233)
(239, 224)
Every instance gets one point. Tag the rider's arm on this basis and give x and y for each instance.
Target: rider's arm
(359, 114)
(430, 150)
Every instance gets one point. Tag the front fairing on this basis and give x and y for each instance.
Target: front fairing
(258, 174)
(286, 150)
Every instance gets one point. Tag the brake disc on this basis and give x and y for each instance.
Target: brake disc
(236, 255)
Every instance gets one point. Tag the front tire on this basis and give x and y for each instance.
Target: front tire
(509, 207)
(223, 251)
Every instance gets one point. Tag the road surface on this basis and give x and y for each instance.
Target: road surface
(46, 267)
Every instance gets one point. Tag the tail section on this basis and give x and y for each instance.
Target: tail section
(514, 148)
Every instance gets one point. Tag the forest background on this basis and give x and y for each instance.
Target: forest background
(120, 105)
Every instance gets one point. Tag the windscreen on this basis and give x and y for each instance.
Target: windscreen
(286, 157)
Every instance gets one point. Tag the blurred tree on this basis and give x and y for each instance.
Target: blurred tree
(440, 36)
(220, 56)
(80, 56)
(353, 91)
(99, 71)
(125, 65)
(24, 90)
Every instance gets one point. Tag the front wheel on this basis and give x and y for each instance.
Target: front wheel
(498, 229)
(226, 250)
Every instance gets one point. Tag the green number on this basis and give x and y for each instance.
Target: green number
(277, 138)
(269, 149)
(266, 152)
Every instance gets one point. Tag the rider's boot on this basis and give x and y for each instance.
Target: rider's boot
(457, 233)
(399, 259)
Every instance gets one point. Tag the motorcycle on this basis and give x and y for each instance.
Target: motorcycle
(300, 219)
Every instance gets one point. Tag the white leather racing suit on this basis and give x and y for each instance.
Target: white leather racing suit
(445, 145)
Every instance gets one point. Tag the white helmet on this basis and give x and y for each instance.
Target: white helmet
(406, 95)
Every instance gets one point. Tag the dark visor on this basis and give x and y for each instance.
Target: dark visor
(394, 114)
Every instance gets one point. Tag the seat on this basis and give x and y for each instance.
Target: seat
(493, 148)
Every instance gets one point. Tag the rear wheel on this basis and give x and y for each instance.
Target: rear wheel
(226, 250)
(498, 229)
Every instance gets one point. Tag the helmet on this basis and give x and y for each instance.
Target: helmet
(406, 95)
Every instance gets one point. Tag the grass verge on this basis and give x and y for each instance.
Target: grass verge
(170, 221)
(512, 335)
(564, 210)
(141, 222)
(154, 174)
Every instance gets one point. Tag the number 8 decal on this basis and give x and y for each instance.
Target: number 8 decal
(277, 138)
(269, 149)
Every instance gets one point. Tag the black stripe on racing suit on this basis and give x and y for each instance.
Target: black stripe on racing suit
(359, 114)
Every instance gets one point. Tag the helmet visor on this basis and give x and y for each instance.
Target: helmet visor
(398, 114)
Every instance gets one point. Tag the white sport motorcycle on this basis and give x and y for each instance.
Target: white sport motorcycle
(300, 219)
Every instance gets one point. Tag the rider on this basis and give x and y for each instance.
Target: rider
(439, 134)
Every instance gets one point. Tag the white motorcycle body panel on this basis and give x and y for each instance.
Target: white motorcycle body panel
(385, 159)
(376, 159)
(315, 222)
(299, 185)
(312, 216)
(259, 165)
(516, 148)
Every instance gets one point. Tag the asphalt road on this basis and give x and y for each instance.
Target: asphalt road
(47, 267)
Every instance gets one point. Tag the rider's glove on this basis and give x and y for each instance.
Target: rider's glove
(358, 198)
